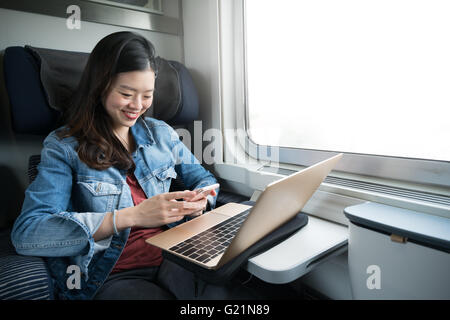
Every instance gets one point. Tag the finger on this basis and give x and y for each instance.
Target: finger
(196, 213)
(178, 195)
(174, 219)
(202, 202)
(204, 195)
(190, 212)
(186, 205)
(182, 213)
(183, 207)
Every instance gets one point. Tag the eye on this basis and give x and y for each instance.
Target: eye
(125, 94)
(147, 97)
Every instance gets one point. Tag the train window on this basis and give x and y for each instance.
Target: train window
(368, 78)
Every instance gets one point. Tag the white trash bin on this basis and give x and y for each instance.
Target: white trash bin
(395, 253)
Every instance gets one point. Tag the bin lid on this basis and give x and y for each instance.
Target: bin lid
(421, 227)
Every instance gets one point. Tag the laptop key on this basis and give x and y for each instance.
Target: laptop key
(202, 258)
(206, 242)
(216, 239)
(180, 250)
(188, 252)
(201, 251)
(195, 255)
(215, 243)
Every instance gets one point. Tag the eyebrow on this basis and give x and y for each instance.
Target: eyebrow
(124, 86)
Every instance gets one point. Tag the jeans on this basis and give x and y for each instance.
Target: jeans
(166, 282)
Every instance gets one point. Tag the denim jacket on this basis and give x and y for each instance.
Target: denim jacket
(67, 202)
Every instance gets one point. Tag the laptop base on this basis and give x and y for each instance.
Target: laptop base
(228, 270)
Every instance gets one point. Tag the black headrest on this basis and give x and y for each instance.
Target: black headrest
(39, 81)
(30, 110)
(175, 100)
(60, 73)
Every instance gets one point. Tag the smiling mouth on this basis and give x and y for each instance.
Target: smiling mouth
(131, 115)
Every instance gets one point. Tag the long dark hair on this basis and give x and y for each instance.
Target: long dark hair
(86, 117)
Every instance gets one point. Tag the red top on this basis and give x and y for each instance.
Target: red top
(137, 253)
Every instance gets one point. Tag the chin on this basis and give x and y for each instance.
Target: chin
(130, 123)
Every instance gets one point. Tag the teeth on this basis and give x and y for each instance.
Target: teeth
(131, 114)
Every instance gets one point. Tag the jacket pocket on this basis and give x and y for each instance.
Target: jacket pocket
(164, 177)
(99, 188)
(98, 196)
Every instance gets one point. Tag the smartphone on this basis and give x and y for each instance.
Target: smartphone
(204, 191)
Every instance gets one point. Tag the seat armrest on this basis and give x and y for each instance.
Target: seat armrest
(22, 277)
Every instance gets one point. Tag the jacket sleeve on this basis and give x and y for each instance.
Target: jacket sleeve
(45, 227)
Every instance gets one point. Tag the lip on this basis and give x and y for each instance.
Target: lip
(129, 116)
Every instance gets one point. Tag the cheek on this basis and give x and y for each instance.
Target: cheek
(115, 103)
(147, 105)
(108, 105)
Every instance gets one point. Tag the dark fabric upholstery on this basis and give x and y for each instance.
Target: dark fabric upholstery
(29, 108)
(175, 100)
(60, 73)
(225, 197)
(11, 196)
(33, 162)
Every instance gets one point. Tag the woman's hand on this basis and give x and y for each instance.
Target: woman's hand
(203, 202)
(163, 209)
(156, 211)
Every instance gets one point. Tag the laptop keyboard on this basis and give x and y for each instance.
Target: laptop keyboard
(210, 243)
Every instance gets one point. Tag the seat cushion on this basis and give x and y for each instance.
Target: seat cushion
(22, 277)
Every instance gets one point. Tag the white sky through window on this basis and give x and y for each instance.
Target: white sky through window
(359, 76)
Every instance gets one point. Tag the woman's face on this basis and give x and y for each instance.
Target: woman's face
(130, 95)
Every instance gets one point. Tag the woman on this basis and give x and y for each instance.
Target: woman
(103, 183)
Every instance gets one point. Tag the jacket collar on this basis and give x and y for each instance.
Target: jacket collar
(142, 134)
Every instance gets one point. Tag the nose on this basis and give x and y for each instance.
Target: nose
(136, 103)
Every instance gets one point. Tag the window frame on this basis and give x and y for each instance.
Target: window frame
(421, 171)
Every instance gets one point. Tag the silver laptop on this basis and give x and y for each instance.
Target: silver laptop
(220, 235)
